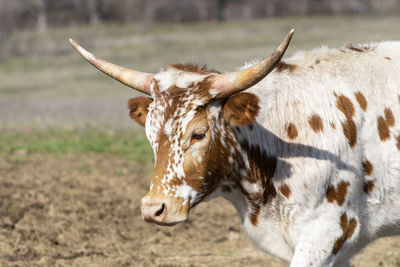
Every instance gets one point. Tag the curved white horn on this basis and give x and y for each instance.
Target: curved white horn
(134, 79)
(231, 83)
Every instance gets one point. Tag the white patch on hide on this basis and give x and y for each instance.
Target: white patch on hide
(186, 192)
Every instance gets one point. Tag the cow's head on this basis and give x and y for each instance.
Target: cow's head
(187, 122)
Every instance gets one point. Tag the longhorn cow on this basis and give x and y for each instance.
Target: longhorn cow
(308, 155)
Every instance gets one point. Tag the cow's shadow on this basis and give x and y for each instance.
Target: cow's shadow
(284, 149)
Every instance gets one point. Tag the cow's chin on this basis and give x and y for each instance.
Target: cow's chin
(170, 222)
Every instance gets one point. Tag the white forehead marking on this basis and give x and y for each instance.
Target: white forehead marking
(185, 120)
(168, 127)
(173, 76)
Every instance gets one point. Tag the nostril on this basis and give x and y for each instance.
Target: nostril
(160, 211)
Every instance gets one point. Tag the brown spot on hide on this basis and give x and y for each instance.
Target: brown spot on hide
(398, 142)
(339, 194)
(343, 221)
(291, 131)
(348, 228)
(360, 48)
(241, 109)
(388, 58)
(316, 123)
(333, 125)
(285, 190)
(389, 117)
(345, 105)
(138, 108)
(262, 169)
(281, 66)
(369, 186)
(350, 131)
(176, 91)
(383, 129)
(361, 100)
(203, 88)
(317, 61)
(368, 168)
(254, 215)
(352, 227)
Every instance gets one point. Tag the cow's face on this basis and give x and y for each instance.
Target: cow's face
(189, 122)
(191, 138)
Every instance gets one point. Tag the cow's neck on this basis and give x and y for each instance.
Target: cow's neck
(252, 173)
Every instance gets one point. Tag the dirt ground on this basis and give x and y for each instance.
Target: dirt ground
(83, 210)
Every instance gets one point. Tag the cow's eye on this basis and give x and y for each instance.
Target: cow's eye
(198, 136)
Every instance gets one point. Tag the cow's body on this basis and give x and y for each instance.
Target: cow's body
(305, 110)
(315, 176)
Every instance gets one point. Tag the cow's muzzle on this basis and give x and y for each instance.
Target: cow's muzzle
(163, 212)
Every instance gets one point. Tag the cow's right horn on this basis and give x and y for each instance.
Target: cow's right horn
(228, 84)
(134, 79)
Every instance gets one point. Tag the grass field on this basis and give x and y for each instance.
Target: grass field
(130, 145)
(73, 165)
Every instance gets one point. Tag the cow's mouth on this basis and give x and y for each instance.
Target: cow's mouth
(167, 223)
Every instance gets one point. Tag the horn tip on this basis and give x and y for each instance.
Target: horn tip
(72, 42)
(291, 32)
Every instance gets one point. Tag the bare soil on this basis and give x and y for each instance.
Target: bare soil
(83, 210)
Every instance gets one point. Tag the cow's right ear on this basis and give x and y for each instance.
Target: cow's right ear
(138, 108)
(241, 109)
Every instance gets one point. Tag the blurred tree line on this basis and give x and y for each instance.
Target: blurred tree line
(39, 15)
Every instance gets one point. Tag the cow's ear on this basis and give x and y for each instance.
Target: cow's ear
(138, 108)
(241, 109)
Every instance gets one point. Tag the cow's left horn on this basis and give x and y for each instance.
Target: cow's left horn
(231, 83)
(134, 79)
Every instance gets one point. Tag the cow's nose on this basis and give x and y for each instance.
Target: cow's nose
(153, 210)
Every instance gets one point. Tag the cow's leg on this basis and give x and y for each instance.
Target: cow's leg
(322, 240)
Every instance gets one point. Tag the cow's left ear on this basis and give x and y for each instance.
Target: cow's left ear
(138, 108)
(241, 109)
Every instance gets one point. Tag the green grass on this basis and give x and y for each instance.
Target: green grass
(132, 145)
